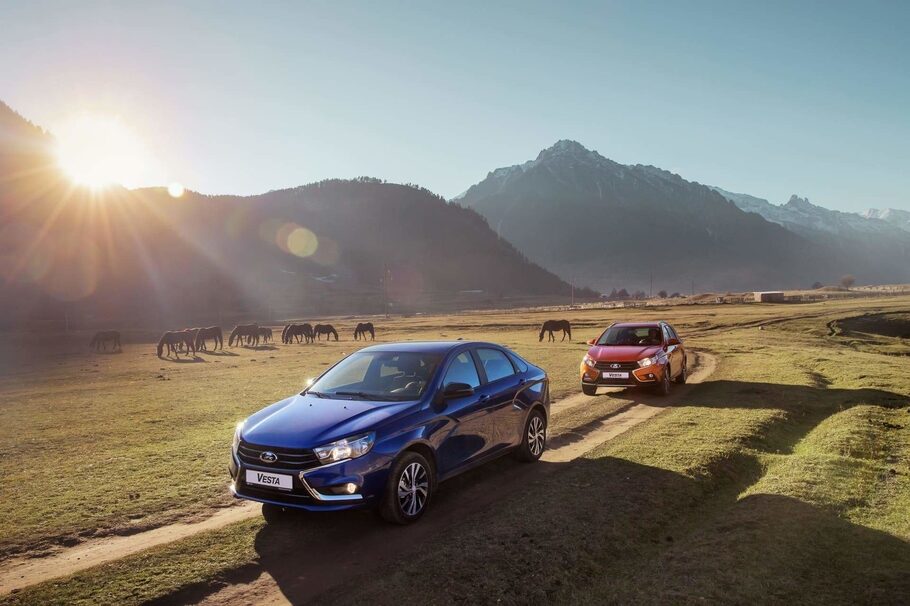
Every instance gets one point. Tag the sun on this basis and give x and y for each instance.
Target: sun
(97, 150)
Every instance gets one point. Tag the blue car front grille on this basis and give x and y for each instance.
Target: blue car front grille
(287, 458)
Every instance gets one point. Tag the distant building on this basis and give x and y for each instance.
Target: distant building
(770, 296)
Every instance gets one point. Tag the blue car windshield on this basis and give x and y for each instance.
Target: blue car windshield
(379, 375)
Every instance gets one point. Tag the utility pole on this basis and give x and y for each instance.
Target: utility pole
(651, 291)
(693, 287)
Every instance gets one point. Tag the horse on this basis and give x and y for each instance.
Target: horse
(244, 334)
(325, 329)
(173, 339)
(551, 325)
(294, 332)
(265, 334)
(212, 332)
(194, 334)
(102, 338)
(362, 329)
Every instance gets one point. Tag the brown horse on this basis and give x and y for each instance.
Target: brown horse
(325, 329)
(552, 325)
(212, 332)
(244, 334)
(296, 331)
(103, 337)
(194, 334)
(362, 329)
(173, 340)
(265, 334)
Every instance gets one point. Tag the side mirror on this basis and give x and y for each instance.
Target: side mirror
(592, 341)
(457, 390)
(672, 341)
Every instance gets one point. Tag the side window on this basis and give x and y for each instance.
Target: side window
(462, 370)
(495, 364)
(519, 363)
(667, 334)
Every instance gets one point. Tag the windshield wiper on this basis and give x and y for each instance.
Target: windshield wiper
(358, 394)
(318, 394)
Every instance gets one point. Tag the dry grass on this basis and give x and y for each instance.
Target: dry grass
(786, 427)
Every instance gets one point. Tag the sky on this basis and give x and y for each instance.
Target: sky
(765, 98)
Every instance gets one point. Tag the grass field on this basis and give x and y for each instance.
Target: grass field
(785, 477)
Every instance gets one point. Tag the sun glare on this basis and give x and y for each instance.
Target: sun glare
(98, 150)
(175, 190)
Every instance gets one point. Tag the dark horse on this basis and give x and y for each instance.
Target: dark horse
(362, 329)
(244, 334)
(325, 329)
(552, 325)
(265, 334)
(294, 332)
(102, 338)
(173, 340)
(212, 332)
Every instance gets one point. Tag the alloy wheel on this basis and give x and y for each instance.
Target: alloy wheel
(536, 435)
(413, 486)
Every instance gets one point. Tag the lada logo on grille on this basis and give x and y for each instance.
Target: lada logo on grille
(615, 366)
(268, 457)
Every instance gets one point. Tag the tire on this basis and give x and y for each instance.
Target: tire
(407, 505)
(589, 390)
(533, 439)
(683, 374)
(663, 386)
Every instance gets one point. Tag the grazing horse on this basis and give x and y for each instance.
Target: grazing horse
(212, 332)
(174, 339)
(284, 333)
(102, 338)
(296, 331)
(551, 325)
(194, 334)
(265, 334)
(325, 329)
(362, 329)
(244, 334)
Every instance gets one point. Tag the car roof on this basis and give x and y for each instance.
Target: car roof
(654, 324)
(439, 347)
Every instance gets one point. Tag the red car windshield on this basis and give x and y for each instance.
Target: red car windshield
(631, 335)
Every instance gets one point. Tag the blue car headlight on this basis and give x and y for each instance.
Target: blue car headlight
(237, 437)
(348, 448)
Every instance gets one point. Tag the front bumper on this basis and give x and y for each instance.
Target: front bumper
(311, 487)
(648, 375)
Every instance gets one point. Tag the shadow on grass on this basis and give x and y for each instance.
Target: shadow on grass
(218, 353)
(193, 360)
(570, 525)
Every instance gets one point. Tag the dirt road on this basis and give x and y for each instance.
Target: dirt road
(296, 580)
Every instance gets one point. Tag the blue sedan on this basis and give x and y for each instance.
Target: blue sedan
(386, 424)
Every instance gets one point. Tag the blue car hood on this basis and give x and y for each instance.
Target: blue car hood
(307, 421)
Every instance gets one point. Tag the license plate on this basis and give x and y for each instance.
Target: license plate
(616, 375)
(273, 480)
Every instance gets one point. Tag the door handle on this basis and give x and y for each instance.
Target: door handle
(484, 397)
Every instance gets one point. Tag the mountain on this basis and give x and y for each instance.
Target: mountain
(900, 218)
(801, 216)
(135, 257)
(611, 225)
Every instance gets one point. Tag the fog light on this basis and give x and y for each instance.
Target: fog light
(650, 375)
(350, 487)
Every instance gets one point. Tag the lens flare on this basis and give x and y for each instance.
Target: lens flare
(302, 242)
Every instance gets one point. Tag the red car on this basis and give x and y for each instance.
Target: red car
(630, 354)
